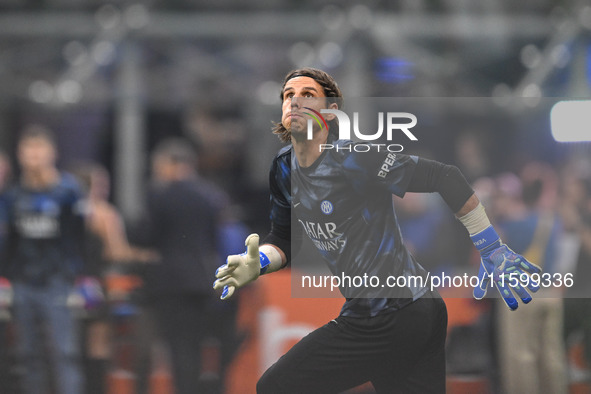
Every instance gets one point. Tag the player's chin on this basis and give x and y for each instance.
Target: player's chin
(294, 122)
(295, 129)
(298, 134)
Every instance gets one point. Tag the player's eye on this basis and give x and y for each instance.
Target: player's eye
(287, 96)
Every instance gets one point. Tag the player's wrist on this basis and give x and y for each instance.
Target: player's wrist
(476, 220)
(265, 262)
(270, 259)
(482, 233)
(486, 240)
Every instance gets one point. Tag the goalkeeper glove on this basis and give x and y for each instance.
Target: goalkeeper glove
(244, 268)
(508, 270)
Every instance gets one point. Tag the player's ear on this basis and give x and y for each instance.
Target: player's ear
(329, 117)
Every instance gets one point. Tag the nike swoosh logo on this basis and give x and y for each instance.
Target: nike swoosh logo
(296, 204)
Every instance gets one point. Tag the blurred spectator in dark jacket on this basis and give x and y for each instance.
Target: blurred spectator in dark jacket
(182, 224)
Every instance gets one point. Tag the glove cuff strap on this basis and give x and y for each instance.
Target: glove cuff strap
(264, 262)
(270, 259)
(485, 239)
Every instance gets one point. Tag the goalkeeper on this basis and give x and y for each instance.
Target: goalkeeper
(343, 198)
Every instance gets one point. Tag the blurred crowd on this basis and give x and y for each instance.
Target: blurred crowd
(78, 300)
(137, 296)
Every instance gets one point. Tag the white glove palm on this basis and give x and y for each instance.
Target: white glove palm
(240, 269)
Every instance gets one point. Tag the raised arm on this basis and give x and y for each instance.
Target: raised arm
(499, 263)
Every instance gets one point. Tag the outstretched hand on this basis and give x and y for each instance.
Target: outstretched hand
(509, 272)
(240, 269)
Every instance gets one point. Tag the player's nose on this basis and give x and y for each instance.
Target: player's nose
(295, 102)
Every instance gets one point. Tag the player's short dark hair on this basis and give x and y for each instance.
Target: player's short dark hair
(178, 150)
(331, 92)
(38, 131)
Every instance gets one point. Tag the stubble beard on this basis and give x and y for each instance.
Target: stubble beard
(296, 129)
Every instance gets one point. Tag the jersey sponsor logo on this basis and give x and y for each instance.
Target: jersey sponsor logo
(387, 165)
(326, 207)
(324, 235)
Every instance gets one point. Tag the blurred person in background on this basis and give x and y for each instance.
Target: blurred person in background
(506, 200)
(531, 349)
(575, 191)
(7, 379)
(5, 179)
(218, 133)
(5, 171)
(576, 212)
(471, 155)
(106, 245)
(44, 254)
(182, 224)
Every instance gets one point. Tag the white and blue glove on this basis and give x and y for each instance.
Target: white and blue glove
(241, 269)
(508, 270)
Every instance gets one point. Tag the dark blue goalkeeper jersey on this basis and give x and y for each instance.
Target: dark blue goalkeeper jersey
(343, 202)
(44, 232)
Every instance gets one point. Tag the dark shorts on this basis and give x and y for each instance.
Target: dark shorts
(398, 352)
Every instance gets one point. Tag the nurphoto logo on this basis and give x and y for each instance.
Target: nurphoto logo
(394, 122)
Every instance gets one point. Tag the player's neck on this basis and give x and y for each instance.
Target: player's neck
(308, 151)
(40, 178)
